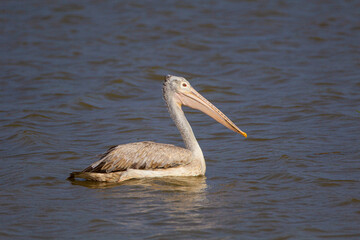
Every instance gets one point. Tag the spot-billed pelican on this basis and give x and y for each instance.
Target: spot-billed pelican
(150, 159)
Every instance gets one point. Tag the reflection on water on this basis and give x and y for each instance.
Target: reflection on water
(179, 193)
(169, 198)
(176, 184)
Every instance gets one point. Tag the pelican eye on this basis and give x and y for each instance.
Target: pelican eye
(184, 85)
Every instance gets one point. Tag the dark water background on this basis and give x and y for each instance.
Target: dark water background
(79, 76)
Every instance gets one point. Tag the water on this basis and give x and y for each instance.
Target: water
(78, 77)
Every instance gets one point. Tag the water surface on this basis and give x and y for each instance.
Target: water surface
(78, 77)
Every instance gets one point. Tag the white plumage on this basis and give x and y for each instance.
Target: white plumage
(150, 159)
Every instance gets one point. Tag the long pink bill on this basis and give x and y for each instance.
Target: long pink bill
(194, 100)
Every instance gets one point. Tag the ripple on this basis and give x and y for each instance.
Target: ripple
(251, 139)
(351, 202)
(255, 159)
(325, 182)
(283, 176)
(36, 117)
(114, 96)
(83, 105)
(268, 13)
(60, 75)
(29, 137)
(73, 19)
(104, 61)
(68, 7)
(191, 45)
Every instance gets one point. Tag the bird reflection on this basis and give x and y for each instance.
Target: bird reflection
(175, 202)
(187, 184)
(181, 193)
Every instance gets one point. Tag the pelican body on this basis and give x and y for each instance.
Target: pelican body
(150, 159)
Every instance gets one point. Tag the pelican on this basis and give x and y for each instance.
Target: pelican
(150, 159)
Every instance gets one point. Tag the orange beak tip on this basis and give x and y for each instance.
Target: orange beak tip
(244, 134)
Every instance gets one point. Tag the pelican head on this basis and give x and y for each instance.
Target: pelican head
(179, 90)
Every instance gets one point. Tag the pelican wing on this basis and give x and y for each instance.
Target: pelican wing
(140, 155)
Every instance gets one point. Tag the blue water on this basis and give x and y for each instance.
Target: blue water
(78, 77)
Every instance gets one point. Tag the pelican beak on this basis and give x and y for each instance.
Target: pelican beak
(194, 100)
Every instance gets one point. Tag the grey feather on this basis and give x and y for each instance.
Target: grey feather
(141, 155)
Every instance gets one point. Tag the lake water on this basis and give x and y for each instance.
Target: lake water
(79, 76)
